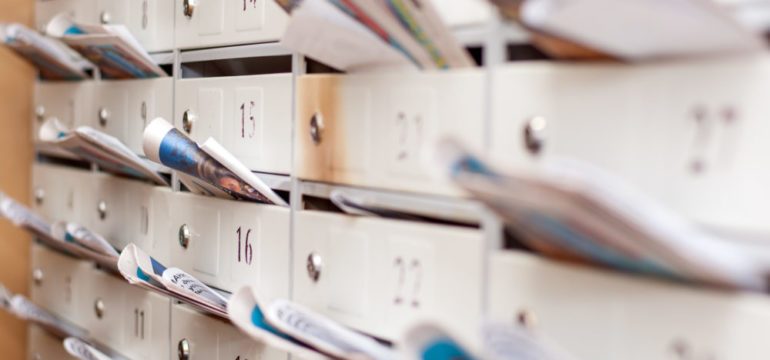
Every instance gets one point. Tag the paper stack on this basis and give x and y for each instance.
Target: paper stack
(112, 48)
(54, 60)
(142, 270)
(99, 148)
(367, 35)
(429, 341)
(300, 331)
(571, 210)
(637, 29)
(208, 169)
(68, 237)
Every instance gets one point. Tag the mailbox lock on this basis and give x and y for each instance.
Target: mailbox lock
(99, 308)
(314, 266)
(316, 128)
(37, 276)
(101, 208)
(534, 134)
(40, 113)
(526, 319)
(188, 118)
(184, 236)
(188, 7)
(104, 115)
(105, 18)
(39, 196)
(183, 350)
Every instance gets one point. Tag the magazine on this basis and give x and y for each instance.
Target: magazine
(210, 163)
(54, 60)
(246, 312)
(83, 350)
(571, 209)
(143, 270)
(97, 147)
(111, 48)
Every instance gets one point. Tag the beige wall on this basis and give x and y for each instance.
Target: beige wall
(16, 85)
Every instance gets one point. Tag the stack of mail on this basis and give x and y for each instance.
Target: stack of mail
(293, 328)
(637, 30)
(363, 35)
(571, 210)
(142, 270)
(112, 48)
(68, 237)
(54, 60)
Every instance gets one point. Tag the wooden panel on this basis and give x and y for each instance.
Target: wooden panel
(15, 169)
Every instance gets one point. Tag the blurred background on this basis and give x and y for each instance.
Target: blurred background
(15, 106)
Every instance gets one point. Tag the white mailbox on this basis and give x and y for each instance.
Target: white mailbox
(122, 108)
(197, 336)
(249, 115)
(43, 346)
(381, 130)
(58, 193)
(690, 134)
(67, 101)
(382, 276)
(59, 283)
(230, 244)
(598, 315)
(208, 23)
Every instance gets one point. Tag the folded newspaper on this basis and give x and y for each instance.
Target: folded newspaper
(322, 31)
(570, 209)
(54, 60)
(82, 350)
(355, 203)
(209, 168)
(76, 340)
(324, 334)
(636, 30)
(86, 244)
(298, 330)
(70, 238)
(97, 147)
(246, 312)
(428, 341)
(142, 270)
(112, 48)
(364, 35)
(72, 232)
(511, 342)
(5, 298)
(27, 310)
